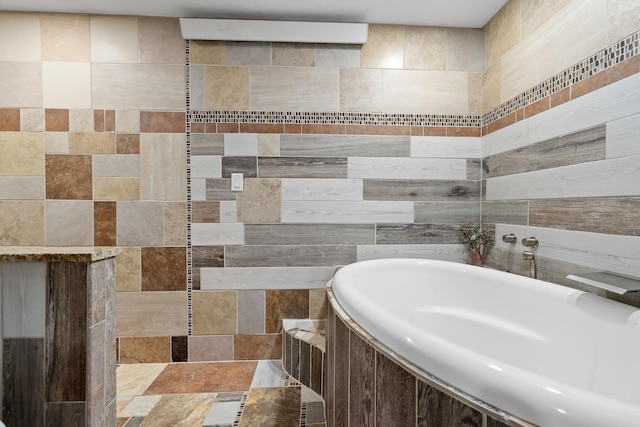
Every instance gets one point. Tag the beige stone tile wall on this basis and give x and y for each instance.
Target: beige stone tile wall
(529, 41)
(92, 136)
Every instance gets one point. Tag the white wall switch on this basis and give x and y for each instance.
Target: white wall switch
(237, 182)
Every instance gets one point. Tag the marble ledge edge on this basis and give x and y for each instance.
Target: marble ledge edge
(57, 254)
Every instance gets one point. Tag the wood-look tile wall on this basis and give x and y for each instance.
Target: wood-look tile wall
(569, 176)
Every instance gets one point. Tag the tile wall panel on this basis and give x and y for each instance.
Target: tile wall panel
(306, 148)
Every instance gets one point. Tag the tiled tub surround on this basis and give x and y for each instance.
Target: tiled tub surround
(303, 352)
(367, 384)
(58, 336)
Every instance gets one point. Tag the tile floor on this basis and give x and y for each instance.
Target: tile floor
(214, 394)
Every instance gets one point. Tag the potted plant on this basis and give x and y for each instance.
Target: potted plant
(476, 238)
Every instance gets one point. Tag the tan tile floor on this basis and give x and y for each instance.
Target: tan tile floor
(214, 394)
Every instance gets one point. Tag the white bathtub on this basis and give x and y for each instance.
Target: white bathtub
(545, 353)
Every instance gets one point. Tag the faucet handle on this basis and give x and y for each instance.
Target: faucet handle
(509, 238)
(530, 242)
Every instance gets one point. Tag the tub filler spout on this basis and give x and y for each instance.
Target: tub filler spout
(533, 268)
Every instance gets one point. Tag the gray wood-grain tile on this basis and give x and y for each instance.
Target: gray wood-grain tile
(416, 233)
(395, 394)
(345, 145)
(207, 144)
(244, 165)
(302, 167)
(362, 385)
(420, 190)
(457, 212)
(219, 189)
(584, 146)
(288, 256)
(309, 234)
(506, 212)
(438, 409)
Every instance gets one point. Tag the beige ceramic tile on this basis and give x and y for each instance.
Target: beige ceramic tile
(180, 410)
(22, 154)
(114, 39)
(128, 269)
(69, 223)
(587, 20)
(32, 119)
(20, 84)
(214, 312)
(56, 142)
(116, 188)
(361, 90)
(624, 19)
(66, 85)
(226, 88)
(491, 87)
(21, 187)
(133, 379)
(127, 121)
(293, 54)
(295, 89)
(81, 120)
(465, 49)
(160, 41)
(163, 165)
(92, 143)
(138, 86)
(475, 93)
(210, 348)
(248, 53)
(20, 37)
(139, 406)
(207, 52)
(268, 144)
(22, 223)
(175, 224)
(317, 304)
(140, 223)
(384, 47)
(536, 12)
(151, 314)
(425, 48)
(65, 37)
(503, 31)
(260, 202)
(425, 92)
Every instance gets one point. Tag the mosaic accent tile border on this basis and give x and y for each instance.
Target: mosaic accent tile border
(189, 199)
(606, 58)
(335, 118)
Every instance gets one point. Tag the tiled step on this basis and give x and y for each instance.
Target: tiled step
(303, 355)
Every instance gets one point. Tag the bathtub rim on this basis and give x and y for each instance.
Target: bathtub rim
(420, 373)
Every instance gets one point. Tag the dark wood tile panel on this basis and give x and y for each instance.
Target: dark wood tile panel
(66, 331)
(435, 408)
(395, 394)
(23, 382)
(362, 382)
(341, 380)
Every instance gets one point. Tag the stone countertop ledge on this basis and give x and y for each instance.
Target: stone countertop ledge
(57, 254)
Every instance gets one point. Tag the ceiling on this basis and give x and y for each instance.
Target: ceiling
(444, 13)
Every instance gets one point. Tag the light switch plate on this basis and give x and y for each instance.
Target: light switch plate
(237, 183)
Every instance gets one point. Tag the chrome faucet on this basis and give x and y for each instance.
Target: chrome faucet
(530, 242)
(531, 257)
(509, 238)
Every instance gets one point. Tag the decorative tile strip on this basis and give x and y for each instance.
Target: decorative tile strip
(600, 61)
(335, 118)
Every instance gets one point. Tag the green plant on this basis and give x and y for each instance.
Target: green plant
(476, 237)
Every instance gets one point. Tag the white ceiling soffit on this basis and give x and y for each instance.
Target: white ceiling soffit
(274, 31)
(443, 13)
